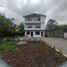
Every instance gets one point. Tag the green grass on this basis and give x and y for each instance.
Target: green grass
(6, 46)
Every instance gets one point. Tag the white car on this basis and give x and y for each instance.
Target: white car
(65, 35)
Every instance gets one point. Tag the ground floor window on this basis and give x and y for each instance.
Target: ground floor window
(37, 33)
(28, 33)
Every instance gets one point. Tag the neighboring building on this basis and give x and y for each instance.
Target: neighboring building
(35, 25)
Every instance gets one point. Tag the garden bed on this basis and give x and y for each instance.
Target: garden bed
(33, 54)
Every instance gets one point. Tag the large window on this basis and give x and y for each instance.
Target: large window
(39, 19)
(30, 26)
(37, 33)
(37, 26)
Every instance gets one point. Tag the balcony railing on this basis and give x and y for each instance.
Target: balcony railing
(34, 22)
(34, 29)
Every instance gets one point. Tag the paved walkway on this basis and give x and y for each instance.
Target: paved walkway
(58, 43)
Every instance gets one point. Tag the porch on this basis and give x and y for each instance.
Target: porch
(35, 33)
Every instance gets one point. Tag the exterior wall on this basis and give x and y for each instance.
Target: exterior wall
(42, 26)
(43, 18)
(33, 21)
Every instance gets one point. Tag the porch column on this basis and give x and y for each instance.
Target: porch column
(25, 33)
(43, 33)
(40, 34)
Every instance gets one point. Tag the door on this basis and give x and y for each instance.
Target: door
(42, 34)
(31, 34)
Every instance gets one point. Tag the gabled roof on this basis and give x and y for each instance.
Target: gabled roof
(34, 14)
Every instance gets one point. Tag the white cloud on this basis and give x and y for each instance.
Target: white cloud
(55, 9)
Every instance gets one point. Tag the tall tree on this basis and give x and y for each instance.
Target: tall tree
(9, 25)
(63, 27)
(2, 19)
(52, 25)
(21, 28)
(6, 24)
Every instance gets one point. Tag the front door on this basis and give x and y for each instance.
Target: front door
(31, 34)
(42, 34)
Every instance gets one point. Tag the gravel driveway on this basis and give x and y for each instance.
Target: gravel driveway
(58, 43)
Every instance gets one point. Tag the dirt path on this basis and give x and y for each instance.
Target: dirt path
(59, 43)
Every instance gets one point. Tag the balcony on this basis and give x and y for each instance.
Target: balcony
(34, 22)
(34, 29)
(33, 26)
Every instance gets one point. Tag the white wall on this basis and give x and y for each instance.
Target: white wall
(42, 26)
(43, 18)
(33, 23)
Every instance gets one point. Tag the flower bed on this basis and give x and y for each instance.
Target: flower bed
(34, 54)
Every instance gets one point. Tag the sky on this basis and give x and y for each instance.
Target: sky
(53, 9)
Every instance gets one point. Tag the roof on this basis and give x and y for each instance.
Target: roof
(34, 14)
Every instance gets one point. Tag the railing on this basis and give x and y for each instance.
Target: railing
(34, 29)
(34, 22)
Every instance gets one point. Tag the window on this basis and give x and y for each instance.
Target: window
(28, 33)
(26, 19)
(38, 19)
(37, 33)
(29, 19)
(30, 26)
(37, 26)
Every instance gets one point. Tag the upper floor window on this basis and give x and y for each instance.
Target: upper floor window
(30, 26)
(33, 19)
(37, 26)
(38, 19)
(28, 19)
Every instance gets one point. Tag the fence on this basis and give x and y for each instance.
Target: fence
(58, 34)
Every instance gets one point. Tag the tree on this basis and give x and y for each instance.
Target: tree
(52, 25)
(2, 19)
(20, 29)
(63, 27)
(9, 25)
(6, 25)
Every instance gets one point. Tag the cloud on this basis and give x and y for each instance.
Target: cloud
(55, 9)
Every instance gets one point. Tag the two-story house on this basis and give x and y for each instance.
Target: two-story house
(34, 25)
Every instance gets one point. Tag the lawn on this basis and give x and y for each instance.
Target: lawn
(6, 46)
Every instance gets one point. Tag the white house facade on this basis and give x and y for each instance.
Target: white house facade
(34, 25)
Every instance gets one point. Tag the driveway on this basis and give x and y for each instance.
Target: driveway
(58, 43)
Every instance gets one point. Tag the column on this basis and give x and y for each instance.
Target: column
(40, 34)
(25, 33)
(43, 33)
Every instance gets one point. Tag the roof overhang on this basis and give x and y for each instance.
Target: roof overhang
(34, 15)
